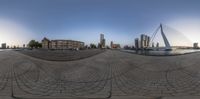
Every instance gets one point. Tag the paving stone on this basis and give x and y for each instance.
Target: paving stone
(106, 74)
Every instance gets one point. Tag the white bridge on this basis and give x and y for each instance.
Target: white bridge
(167, 44)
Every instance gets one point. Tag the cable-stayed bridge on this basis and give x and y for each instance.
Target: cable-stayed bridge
(168, 38)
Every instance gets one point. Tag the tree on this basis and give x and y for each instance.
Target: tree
(38, 45)
(34, 44)
(31, 44)
(93, 46)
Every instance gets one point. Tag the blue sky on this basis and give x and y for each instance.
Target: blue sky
(84, 20)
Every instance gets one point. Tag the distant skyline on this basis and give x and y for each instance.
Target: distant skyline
(119, 20)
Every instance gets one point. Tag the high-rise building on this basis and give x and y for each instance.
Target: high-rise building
(142, 38)
(24, 46)
(144, 41)
(3, 45)
(101, 37)
(153, 44)
(111, 44)
(195, 46)
(148, 41)
(157, 45)
(102, 41)
(136, 43)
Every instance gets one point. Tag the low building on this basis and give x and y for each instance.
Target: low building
(45, 43)
(114, 46)
(61, 44)
(3, 45)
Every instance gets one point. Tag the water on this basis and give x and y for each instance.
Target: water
(164, 53)
(5, 50)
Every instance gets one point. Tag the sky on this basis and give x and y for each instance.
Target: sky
(120, 21)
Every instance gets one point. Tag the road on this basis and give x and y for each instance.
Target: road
(111, 74)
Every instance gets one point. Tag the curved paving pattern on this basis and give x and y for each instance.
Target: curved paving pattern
(61, 55)
(112, 73)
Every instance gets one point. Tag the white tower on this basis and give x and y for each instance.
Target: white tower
(167, 45)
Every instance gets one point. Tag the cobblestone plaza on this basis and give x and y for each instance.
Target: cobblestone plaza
(109, 74)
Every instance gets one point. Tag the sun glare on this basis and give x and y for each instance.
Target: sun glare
(190, 27)
(13, 34)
